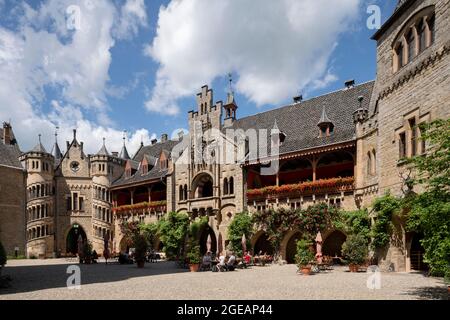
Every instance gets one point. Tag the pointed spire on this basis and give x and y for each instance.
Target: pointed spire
(230, 97)
(124, 152)
(56, 151)
(324, 118)
(103, 151)
(39, 147)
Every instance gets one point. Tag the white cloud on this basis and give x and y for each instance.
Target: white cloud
(276, 47)
(133, 16)
(325, 81)
(43, 53)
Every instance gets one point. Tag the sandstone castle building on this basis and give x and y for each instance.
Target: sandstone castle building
(346, 148)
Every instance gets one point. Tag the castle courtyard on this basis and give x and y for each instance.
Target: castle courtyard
(46, 279)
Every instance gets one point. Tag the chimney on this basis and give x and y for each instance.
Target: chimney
(164, 137)
(6, 133)
(298, 99)
(349, 84)
(115, 154)
(154, 141)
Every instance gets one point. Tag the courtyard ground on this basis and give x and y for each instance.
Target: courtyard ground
(46, 279)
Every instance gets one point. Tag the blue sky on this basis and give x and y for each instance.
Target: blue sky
(140, 76)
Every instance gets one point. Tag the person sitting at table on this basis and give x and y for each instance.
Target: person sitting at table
(247, 259)
(206, 263)
(221, 265)
(231, 262)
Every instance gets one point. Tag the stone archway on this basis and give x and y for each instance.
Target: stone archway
(207, 231)
(203, 186)
(72, 238)
(291, 247)
(263, 245)
(332, 245)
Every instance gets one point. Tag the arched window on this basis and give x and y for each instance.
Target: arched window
(411, 41)
(374, 162)
(369, 163)
(431, 26)
(421, 33)
(181, 193)
(225, 186)
(399, 56)
(231, 188)
(185, 192)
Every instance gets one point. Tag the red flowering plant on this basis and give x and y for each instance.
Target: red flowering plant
(338, 184)
(140, 206)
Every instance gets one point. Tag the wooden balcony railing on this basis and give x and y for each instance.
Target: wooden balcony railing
(159, 206)
(325, 186)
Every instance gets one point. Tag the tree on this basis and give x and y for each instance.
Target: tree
(240, 225)
(173, 230)
(430, 211)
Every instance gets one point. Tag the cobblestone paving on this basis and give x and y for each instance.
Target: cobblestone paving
(46, 279)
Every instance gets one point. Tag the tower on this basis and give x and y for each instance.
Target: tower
(105, 168)
(230, 107)
(40, 205)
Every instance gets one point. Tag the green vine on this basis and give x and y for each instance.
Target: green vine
(385, 207)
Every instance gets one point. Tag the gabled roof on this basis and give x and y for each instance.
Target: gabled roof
(299, 121)
(9, 155)
(151, 153)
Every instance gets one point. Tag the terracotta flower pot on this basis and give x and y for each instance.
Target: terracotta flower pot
(194, 267)
(306, 270)
(140, 264)
(353, 267)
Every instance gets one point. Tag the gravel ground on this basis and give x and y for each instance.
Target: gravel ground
(46, 279)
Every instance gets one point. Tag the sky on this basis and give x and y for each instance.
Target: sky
(108, 66)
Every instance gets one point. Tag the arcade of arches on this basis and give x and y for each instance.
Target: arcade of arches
(332, 245)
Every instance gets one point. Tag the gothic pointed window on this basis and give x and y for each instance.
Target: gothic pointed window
(411, 40)
(421, 31)
(431, 26)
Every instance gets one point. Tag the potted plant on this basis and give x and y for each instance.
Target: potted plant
(304, 256)
(141, 247)
(87, 252)
(194, 258)
(2, 258)
(355, 251)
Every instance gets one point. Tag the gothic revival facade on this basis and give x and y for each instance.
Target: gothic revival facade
(343, 148)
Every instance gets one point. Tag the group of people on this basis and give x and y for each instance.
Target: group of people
(225, 262)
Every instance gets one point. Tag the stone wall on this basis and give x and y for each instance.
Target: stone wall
(12, 209)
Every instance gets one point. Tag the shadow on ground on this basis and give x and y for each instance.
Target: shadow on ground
(429, 293)
(41, 277)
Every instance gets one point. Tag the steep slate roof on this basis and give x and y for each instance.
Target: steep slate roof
(299, 121)
(152, 153)
(39, 148)
(9, 155)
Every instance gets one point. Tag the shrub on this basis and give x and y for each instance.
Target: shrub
(355, 249)
(141, 247)
(173, 229)
(304, 254)
(194, 255)
(240, 225)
